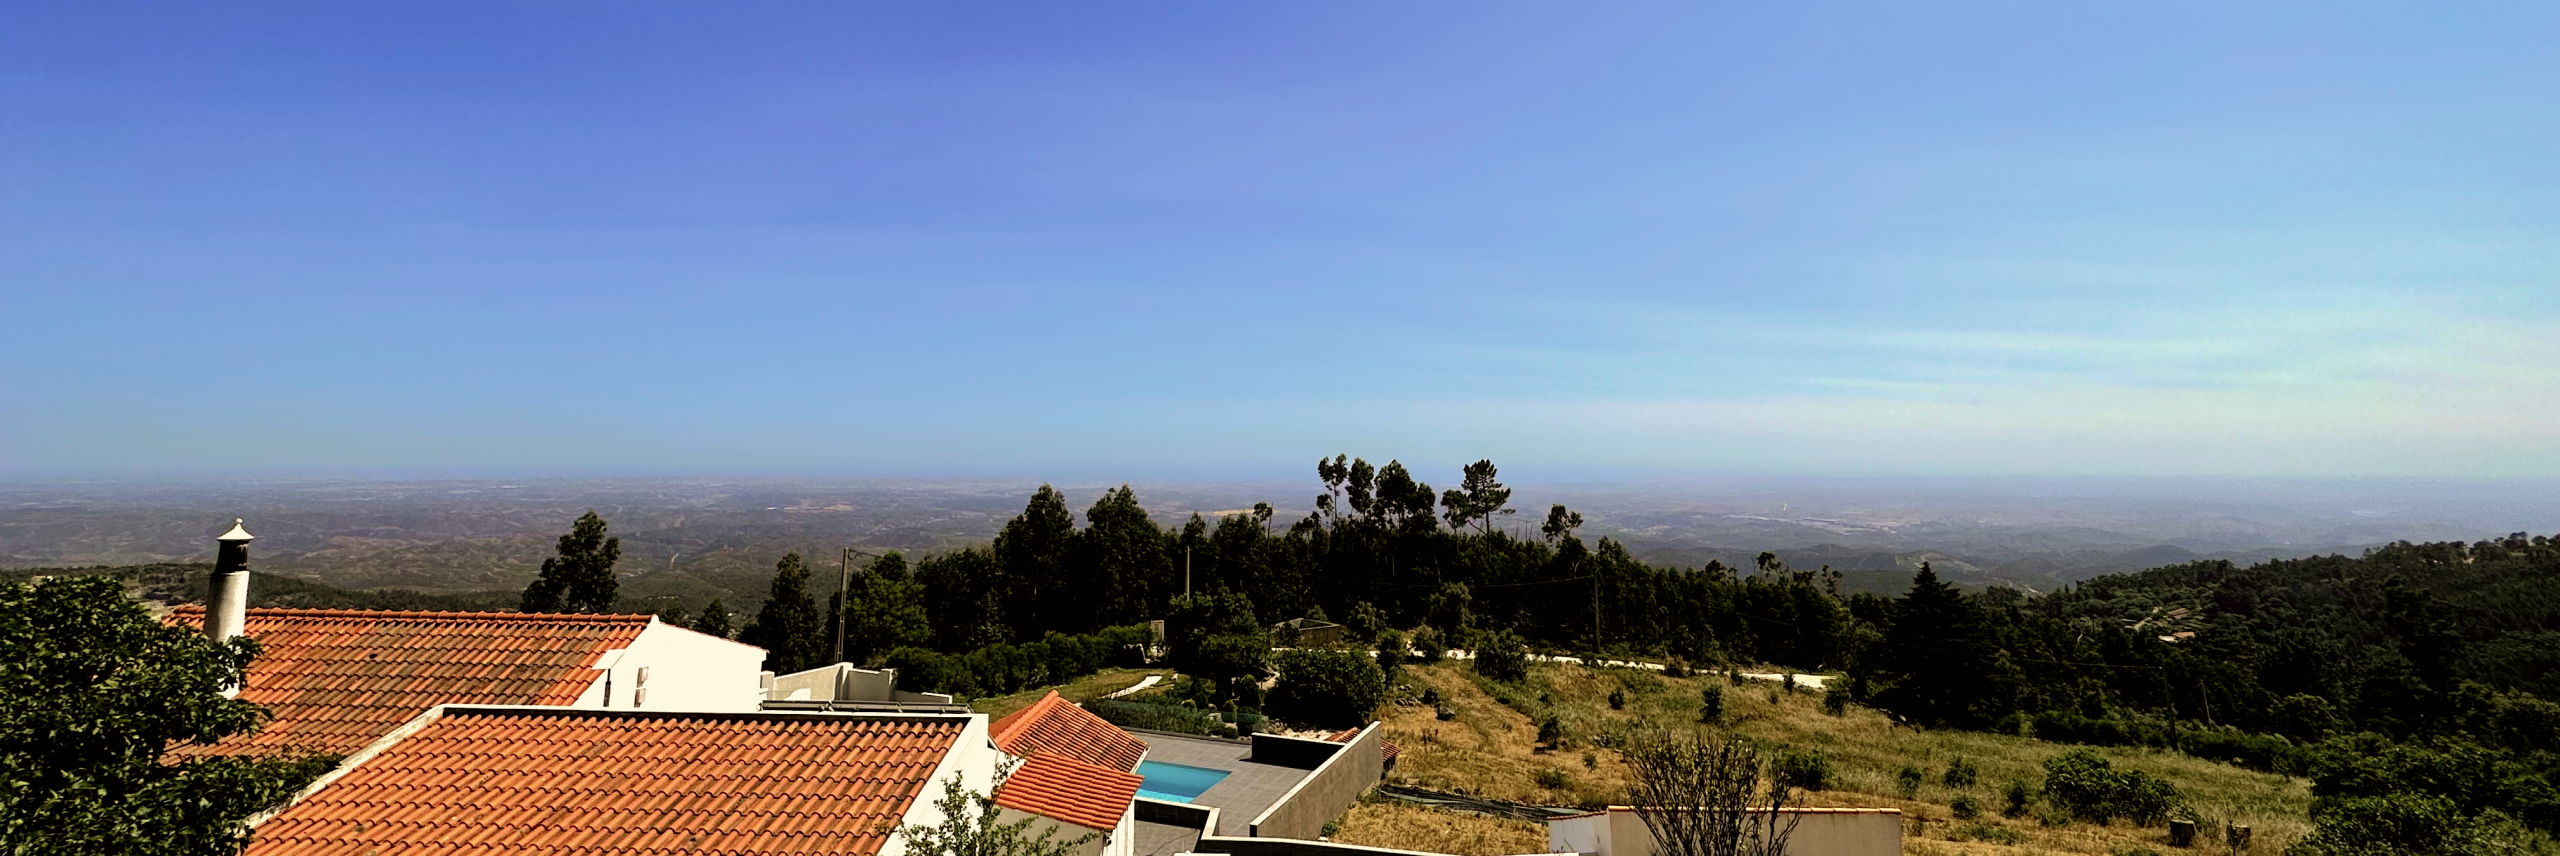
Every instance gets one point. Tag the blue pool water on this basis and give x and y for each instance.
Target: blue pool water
(1175, 782)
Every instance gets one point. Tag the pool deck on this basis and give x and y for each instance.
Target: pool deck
(1243, 795)
(1165, 839)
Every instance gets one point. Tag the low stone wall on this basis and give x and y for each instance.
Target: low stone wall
(1327, 792)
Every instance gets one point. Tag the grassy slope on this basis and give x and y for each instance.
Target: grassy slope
(1489, 750)
(1082, 689)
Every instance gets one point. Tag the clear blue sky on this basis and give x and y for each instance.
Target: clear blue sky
(1221, 239)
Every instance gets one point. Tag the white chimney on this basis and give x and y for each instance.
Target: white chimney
(226, 602)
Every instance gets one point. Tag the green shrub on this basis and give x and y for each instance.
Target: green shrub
(1807, 769)
(2015, 798)
(1617, 699)
(1992, 834)
(1552, 779)
(1157, 717)
(1908, 779)
(1590, 761)
(1960, 773)
(1550, 731)
(1675, 667)
(1501, 657)
(1711, 704)
(1429, 647)
(1964, 807)
(1327, 689)
(2089, 788)
(1391, 653)
(1835, 701)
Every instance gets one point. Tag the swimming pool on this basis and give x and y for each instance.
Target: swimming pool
(1175, 782)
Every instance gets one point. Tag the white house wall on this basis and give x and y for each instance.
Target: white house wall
(972, 760)
(685, 671)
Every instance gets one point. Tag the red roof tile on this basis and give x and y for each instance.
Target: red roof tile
(1055, 725)
(595, 783)
(338, 678)
(1077, 792)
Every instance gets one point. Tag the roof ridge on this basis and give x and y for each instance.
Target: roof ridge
(303, 612)
(1014, 723)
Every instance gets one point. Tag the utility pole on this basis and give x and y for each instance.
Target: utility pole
(1186, 572)
(844, 585)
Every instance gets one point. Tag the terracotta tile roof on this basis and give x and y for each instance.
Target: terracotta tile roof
(338, 678)
(595, 783)
(1057, 726)
(1387, 750)
(1057, 786)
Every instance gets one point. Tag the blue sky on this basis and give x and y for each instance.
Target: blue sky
(1212, 240)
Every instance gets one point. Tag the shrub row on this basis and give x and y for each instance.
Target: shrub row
(1000, 668)
(1164, 717)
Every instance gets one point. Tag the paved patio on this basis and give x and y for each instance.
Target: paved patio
(1248, 789)
(1165, 839)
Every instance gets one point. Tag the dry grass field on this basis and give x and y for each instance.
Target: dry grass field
(1490, 749)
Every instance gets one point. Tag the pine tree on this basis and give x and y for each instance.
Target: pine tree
(1933, 656)
(580, 578)
(714, 620)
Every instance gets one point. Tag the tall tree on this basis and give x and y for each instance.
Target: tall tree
(1477, 499)
(1033, 547)
(1404, 504)
(1121, 557)
(714, 620)
(580, 578)
(1560, 523)
(787, 626)
(1934, 665)
(93, 696)
(887, 611)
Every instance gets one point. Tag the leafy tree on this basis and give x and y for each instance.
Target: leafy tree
(1327, 689)
(1451, 613)
(1404, 505)
(1037, 595)
(714, 620)
(1391, 654)
(1119, 557)
(887, 611)
(1478, 498)
(580, 578)
(787, 626)
(973, 825)
(1701, 796)
(1560, 523)
(94, 695)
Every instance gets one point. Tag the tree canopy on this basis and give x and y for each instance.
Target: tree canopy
(580, 578)
(94, 698)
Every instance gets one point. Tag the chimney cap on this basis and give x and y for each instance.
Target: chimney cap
(237, 533)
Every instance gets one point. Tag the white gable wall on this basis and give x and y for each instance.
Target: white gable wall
(971, 759)
(673, 669)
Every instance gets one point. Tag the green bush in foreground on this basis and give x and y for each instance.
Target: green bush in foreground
(2090, 788)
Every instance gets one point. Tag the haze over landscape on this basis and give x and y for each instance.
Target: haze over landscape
(2142, 413)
